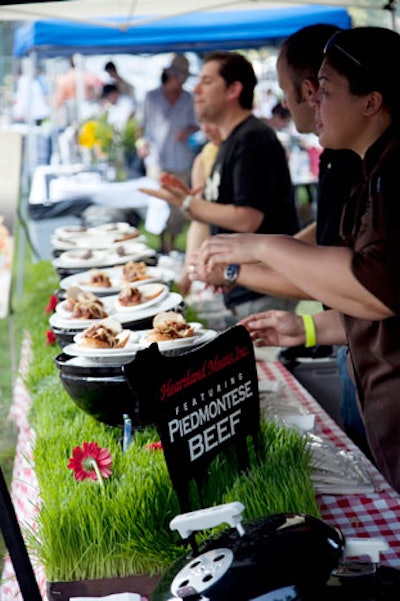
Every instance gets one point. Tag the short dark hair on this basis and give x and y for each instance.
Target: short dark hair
(280, 111)
(233, 66)
(304, 52)
(109, 88)
(366, 57)
(110, 66)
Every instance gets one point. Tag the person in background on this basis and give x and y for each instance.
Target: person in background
(118, 107)
(280, 117)
(30, 103)
(357, 107)
(265, 103)
(67, 94)
(249, 188)
(124, 87)
(167, 123)
(202, 166)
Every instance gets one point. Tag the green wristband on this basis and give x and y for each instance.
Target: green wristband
(309, 329)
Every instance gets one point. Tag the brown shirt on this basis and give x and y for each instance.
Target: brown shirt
(371, 226)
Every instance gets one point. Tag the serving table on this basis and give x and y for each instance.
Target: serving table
(372, 514)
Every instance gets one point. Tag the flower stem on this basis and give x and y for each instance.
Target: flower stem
(98, 473)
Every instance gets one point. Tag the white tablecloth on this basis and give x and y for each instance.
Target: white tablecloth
(56, 183)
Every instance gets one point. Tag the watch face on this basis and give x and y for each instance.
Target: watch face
(231, 272)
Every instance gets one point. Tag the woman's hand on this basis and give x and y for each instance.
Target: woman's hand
(196, 271)
(229, 248)
(275, 328)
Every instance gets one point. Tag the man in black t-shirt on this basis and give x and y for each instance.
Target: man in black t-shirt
(249, 188)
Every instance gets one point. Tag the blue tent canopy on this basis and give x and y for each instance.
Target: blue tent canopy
(200, 32)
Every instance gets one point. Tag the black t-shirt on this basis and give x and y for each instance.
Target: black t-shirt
(251, 170)
(338, 171)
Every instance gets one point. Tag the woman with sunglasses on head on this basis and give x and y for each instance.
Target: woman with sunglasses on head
(357, 107)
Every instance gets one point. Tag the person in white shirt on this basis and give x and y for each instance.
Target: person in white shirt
(119, 107)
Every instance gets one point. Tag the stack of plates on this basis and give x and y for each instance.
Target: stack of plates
(106, 257)
(103, 236)
(115, 275)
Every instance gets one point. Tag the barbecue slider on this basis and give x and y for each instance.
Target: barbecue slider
(105, 334)
(130, 296)
(75, 294)
(134, 271)
(169, 325)
(98, 278)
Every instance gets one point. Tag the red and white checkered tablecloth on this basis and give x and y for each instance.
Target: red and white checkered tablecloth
(365, 515)
(375, 514)
(24, 487)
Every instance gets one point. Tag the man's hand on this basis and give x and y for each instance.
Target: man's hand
(173, 190)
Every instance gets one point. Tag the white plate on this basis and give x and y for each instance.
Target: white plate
(70, 231)
(66, 314)
(77, 258)
(171, 301)
(199, 337)
(95, 355)
(118, 227)
(82, 279)
(77, 350)
(89, 241)
(147, 291)
(100, 258)
(95, 242)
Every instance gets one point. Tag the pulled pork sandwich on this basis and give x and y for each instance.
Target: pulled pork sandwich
(105, 334)
(134, 271)
(169, 325)
(130, 296)
(98, 279)
(84, 305)
(89, 310)
(74, 294)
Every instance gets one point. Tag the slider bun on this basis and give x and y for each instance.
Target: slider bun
(120, 341)
(114, 336)
(156, 336)
(164, 318)
(94, 343)
(111, 324)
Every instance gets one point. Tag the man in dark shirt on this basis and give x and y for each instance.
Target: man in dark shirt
(249, 188)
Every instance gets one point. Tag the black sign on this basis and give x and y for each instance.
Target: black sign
(202, 402)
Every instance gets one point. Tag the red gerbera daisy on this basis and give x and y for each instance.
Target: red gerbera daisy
(90, 461)
(50, 337)
(51, 305)
(156, 446)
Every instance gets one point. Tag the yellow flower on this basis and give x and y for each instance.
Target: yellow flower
(87, 134)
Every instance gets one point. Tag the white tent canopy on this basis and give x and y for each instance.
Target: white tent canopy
(89, 11)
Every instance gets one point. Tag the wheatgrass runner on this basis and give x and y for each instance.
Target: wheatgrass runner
(86, 531)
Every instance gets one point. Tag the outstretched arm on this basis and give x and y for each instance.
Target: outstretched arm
(323, 272)
(258, 277)
(283, 328)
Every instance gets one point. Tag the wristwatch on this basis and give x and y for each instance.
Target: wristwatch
(231, 273)
(185, 206)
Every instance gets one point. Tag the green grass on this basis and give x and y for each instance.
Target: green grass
(154, 241)
(85, 532)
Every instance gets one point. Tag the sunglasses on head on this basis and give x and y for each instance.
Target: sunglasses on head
(333, 45)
